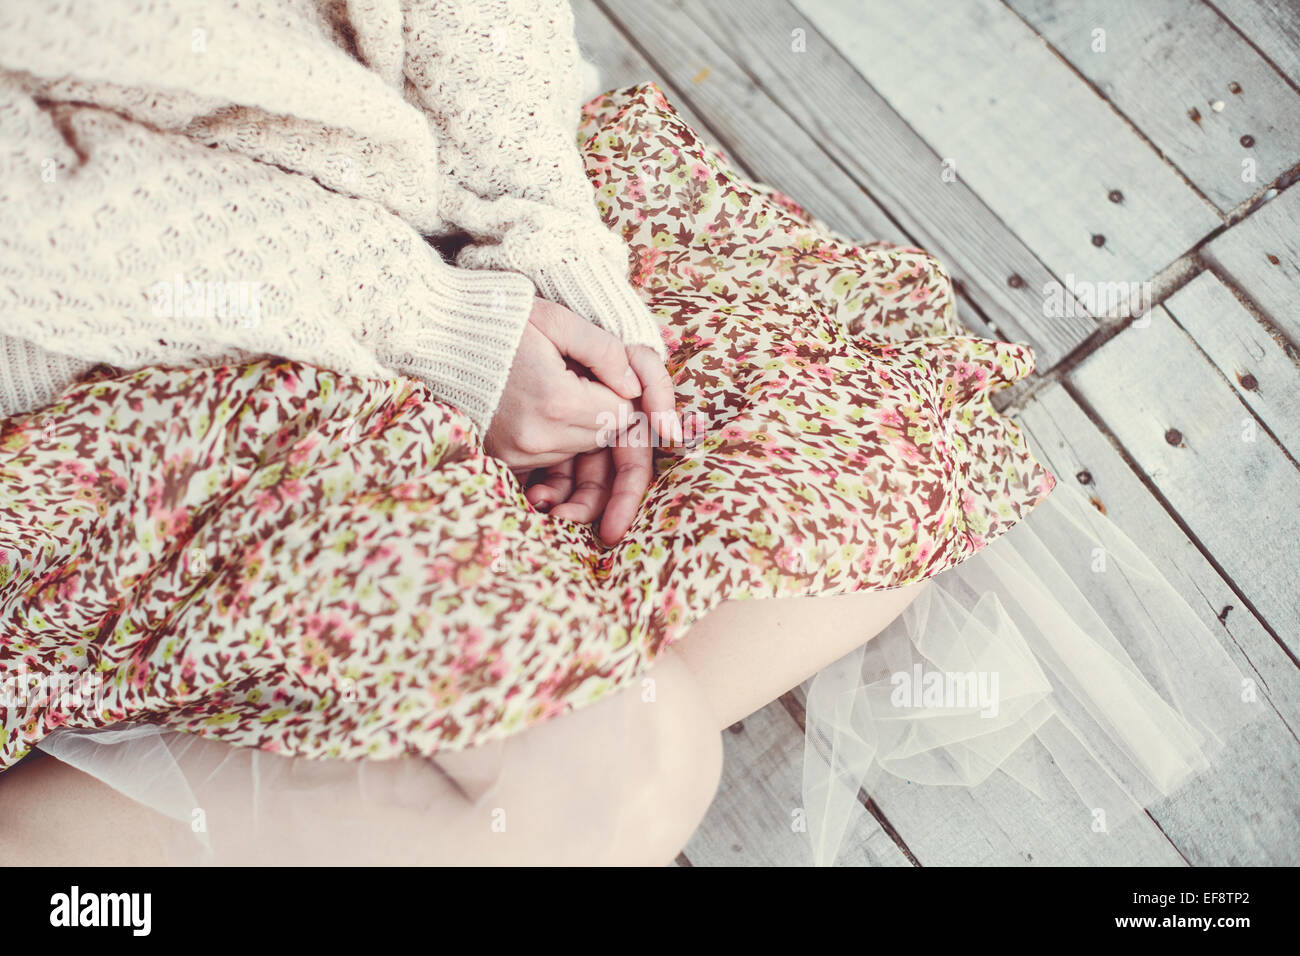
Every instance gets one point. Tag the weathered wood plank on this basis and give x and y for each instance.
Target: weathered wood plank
(1258, 370)
(1080, 454)
(1261, 255)
(751, 820)
(1040, 148)
(813, 82)
(1188, 81)
(1273, 26)
(1231, 483)
(1244, 810)
(777, 150)
(620, 63)
(1000, 823)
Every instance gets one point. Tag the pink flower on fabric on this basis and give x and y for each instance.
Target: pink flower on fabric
(287, 379)
(292, 490)
(892, 419)
(139, 676)
(171, 521)
(823, 372)
(472, 638)
(709, 507)
(973, 372)
(79, 473)
(908, 452)
(301, 450)
(790, 560)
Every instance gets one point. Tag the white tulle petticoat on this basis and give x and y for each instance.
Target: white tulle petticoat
(1057, 651)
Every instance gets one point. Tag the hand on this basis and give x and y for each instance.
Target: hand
(550, 411)
(658, 398)
(610, 483)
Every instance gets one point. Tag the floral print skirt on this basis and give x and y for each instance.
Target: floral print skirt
(282, 557)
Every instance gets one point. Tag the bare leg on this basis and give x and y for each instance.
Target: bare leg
(623, 781)
(746, 654)
(54, 815)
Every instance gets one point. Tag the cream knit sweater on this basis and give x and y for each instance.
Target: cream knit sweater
(190, 181)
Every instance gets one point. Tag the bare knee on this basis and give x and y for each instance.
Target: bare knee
(623, 781)
(746, 654)
(672, 788)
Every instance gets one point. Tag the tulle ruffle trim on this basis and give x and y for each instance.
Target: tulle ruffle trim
(1060, 657)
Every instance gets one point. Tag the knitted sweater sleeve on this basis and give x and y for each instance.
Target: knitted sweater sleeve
(501, 85)
(134, 247)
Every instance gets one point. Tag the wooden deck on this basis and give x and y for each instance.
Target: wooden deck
(1083, 141)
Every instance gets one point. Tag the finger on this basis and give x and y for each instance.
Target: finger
(589, 345)
(553, 487)
(633, 469)
(591, 488)
(658, 397)
(595, 411)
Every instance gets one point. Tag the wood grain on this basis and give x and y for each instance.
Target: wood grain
(1271, 25)
(620, 63)
(1244, 810)
(1184, 427)
(1188, 81)
(751, 822)
(1040, 148)
(1255, 365)
(1225, 477)
(1261, 255)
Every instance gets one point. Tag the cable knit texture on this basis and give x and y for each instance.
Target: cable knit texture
(184, 182)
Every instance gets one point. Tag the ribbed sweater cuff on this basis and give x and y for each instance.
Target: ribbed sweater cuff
(32, 377)
(600, 294)
(463, 339)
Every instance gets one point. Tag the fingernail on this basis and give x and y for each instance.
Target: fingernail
(543, 506)
(633, 383)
